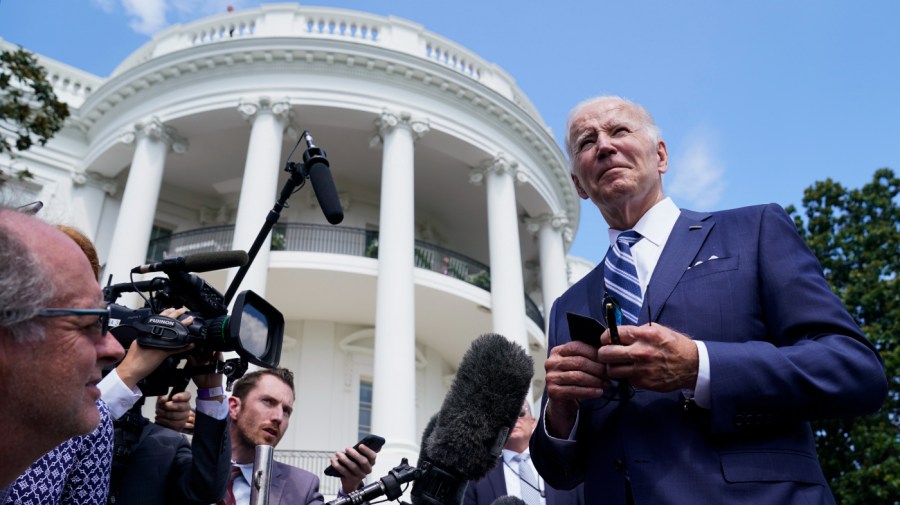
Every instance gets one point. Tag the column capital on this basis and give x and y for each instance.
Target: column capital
(250, 109)
(500, 165)
(154, 129)
(559, 222)
(106, 184)
(389, 120)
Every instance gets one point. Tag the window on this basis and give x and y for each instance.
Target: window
(365, 408)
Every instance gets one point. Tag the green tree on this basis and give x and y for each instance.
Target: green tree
(856, 236)
(29, 109)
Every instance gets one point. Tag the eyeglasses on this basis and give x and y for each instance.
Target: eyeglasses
(102, 319)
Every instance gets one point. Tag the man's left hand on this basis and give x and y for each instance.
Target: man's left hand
(651, 357)
(353, 466)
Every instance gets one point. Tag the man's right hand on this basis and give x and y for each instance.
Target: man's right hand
(141, 361)
(573, 374)
(174, 413)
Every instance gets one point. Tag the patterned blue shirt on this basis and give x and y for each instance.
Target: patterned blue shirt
(76, 472)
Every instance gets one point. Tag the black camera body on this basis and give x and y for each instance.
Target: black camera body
(254, 329)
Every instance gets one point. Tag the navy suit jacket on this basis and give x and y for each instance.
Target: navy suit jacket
(493, 486)
(782, 351)
(165, 469)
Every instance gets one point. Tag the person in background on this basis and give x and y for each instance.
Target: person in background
(53, 346)
(515, 474)
(730, 342)
(260, 407)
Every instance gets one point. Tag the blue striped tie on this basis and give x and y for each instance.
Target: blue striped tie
(621, 277)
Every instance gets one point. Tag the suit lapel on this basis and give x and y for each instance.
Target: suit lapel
(689, 233)
(276, 487)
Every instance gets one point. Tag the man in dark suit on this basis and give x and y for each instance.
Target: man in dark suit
(156, 465)
(506, 479)
(260, 408)
(731, 343)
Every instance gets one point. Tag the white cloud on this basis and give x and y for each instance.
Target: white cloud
(106, 6)
(696, 178)
(149, 15)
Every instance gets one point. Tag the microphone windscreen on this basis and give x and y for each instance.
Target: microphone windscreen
(508, 500)
(205, 262)
(326, 193)
(480, 408)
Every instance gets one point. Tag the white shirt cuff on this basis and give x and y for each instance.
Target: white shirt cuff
(213, 408)
(117, 395)
(701, 392)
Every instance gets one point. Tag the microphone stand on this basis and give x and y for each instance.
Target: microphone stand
(262, 475)
(388, 486)
(299, 174)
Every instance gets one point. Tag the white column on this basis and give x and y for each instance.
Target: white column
(551, 232)
(135, 221)
(259, 188)
(507, 284)
(394, 367)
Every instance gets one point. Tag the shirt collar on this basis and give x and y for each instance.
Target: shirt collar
(655, 225)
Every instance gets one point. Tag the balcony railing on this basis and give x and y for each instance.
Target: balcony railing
(333, 240)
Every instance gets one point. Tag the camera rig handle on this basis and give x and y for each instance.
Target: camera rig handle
(233, 369)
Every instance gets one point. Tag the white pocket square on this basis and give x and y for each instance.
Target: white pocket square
(711, 258)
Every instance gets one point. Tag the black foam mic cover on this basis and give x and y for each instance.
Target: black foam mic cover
(326, 193)
(508, 500)
(465, 438)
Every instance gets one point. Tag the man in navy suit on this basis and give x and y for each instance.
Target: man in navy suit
(505, 479)
(738, 343)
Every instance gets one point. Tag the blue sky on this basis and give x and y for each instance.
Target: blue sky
(756, 99)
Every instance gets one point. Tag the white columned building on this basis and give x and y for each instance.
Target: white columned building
(379, 309)
(394, 381)
(134, 224)
(259, 187)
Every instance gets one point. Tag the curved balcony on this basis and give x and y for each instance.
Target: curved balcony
(303, 237)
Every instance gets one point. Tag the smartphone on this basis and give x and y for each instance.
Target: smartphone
(373, 442)
(585, 329)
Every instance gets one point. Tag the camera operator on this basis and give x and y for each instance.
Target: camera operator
(53, 345)
(154, 464)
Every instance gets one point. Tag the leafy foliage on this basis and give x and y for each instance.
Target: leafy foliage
(29, 109)
(856, 236)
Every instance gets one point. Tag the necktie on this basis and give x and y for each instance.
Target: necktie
(228, 499)
(531, 493)
(621, 278)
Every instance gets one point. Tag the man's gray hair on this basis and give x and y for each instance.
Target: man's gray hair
(646, 120)
(25, 285)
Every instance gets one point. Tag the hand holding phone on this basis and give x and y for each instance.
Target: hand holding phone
(584, 329)
(373, 442)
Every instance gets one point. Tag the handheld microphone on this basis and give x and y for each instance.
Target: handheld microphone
(323, 184)
(465, 438)
(200, 262)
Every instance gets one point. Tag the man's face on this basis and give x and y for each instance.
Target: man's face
(615, 160)
(521, 432)
(52, 382)
(262, 416)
